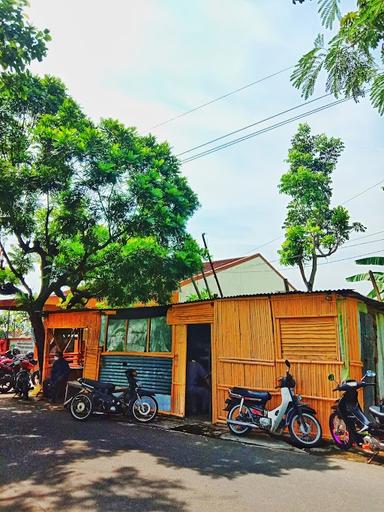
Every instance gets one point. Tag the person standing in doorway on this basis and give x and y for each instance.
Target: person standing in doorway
(59, 376)
(197, 387)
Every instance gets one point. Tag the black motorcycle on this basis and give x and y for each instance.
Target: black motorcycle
(104, 398)
(348, 423)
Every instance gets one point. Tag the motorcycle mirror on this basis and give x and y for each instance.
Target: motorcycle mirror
(331, 377)
(287, 363)
(370, 373)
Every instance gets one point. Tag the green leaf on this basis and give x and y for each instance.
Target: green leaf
(329, 11)
(371, 260)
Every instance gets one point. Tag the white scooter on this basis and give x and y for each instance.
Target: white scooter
(246, 411)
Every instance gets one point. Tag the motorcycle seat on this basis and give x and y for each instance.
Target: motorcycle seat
(263, 396)
(97, 384)
(377, 410)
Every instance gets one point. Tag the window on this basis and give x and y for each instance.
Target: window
(138, 335)
(160, 339)
(116, 335)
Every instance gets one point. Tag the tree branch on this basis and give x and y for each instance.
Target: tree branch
(14, 271)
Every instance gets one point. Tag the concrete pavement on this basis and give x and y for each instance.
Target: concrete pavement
(49, 462)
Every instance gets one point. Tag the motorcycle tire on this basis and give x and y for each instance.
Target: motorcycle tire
(6, 384)
(300, 438)
(144, 410)
(339, 432)
(233, 414)
(81, 407)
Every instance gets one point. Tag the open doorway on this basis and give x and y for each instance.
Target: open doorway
(198, 390)
(71, 342)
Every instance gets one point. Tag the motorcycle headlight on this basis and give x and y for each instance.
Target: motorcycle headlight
(299, 398)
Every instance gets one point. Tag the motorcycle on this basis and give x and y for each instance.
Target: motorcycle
(23, 379)
(104, 398)
(247, 410)
(15, 371)
(348, 423)
(9, 367)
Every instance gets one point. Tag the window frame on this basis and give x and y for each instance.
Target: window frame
(147, 352)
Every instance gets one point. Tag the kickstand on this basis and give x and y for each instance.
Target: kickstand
(372, 457)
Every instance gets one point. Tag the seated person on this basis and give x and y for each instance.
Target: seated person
(59, 376)
(197, 387)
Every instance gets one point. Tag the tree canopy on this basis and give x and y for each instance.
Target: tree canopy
(352, 59)
(20, 41)
(313, 229)
(102, 210)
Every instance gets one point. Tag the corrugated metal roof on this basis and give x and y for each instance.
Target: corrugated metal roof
(345, 292)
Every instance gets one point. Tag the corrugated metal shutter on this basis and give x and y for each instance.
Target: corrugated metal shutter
(154, 373)
(309, 338)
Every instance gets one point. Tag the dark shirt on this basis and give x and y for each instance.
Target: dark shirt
(60, 369)
(195, 374)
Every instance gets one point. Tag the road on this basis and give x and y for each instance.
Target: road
(51, 463)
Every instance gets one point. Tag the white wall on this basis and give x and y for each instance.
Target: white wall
(251, 277)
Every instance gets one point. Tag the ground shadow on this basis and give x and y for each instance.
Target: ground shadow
(47, 447)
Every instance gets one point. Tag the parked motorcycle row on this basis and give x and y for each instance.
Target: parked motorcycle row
(17, 372)
(348, 424)
(246, 409)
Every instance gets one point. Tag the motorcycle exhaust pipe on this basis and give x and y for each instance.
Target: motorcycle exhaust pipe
(242, 424)
(373, 444)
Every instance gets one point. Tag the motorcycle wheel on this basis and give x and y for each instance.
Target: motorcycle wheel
(81, 407)
(6, 384)
(144, 409)
(339, 432)
(305, 430)
(234, 414)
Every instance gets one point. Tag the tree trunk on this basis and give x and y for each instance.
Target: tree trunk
(39, 333)
(311, 280)
(302, 272)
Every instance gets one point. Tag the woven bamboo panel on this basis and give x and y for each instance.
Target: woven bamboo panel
(308, 338)
(193, 313)
(304, 305)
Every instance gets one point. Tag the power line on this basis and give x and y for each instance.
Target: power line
(346, 246)
(254, 124)
(219, 98)
(265, 130)
(357, 256)
(363, 191)
(282, 236)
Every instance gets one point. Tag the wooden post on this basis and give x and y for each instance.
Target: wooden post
(196, 288)
(212, 267)
(374, 283)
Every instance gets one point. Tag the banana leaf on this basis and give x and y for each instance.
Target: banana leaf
(372, 260)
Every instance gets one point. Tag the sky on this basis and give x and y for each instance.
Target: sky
(144, 62)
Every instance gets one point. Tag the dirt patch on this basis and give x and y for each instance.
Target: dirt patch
(198, 429)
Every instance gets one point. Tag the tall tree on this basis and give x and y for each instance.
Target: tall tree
(313, 229)
(352, 59)
(20, 41)
(100, 209)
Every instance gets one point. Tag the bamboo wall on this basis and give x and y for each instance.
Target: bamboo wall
(252, 338)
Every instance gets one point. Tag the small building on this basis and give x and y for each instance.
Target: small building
(241, 341)
(247, 275)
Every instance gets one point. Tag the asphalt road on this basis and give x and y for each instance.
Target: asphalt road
(48, 462)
